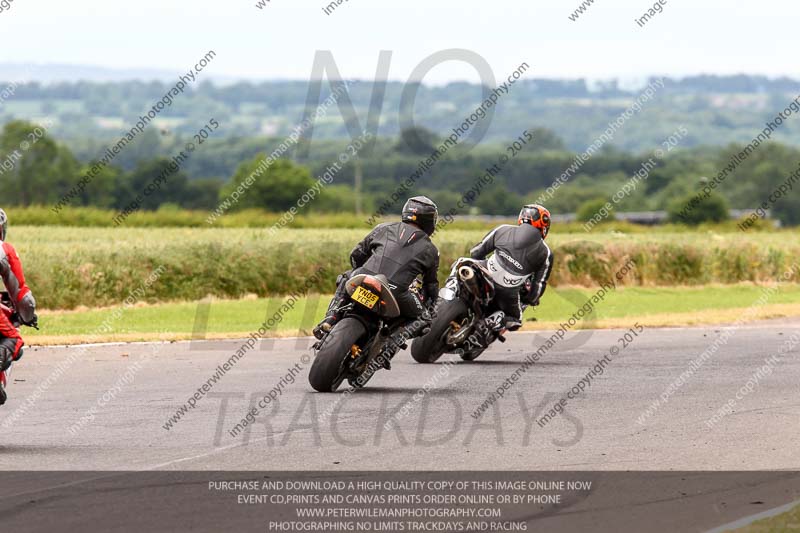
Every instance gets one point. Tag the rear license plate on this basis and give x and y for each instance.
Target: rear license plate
(366, 298)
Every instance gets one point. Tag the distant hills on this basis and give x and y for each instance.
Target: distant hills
(716, 110)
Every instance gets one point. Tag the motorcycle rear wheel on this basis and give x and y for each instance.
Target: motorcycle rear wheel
(329, 367)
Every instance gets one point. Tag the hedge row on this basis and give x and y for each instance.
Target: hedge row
(91, 268)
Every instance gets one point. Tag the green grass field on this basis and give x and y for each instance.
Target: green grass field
(679, 277)
(70, 267)
(231, 318)
(172, 216)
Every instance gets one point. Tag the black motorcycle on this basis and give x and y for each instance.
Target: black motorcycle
(356, 347)
(464, 322)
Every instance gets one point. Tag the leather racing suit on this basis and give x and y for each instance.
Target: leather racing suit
(520, 266)
(22, 299)
(401, 252)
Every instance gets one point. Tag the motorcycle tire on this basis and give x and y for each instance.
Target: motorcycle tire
(430, 347)
(328, 370)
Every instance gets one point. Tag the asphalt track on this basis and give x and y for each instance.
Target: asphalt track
(303, 430)
(598, 430)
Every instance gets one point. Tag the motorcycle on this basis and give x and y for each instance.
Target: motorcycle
(7, 308)
(464, 323)
(356, 347)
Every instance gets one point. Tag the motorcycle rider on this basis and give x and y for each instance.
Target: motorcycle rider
(521, 263)
(23, 303)
(401, 251)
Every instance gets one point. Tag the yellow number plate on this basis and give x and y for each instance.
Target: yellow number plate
(364, 297)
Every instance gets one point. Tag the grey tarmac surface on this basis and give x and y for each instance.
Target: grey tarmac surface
(599, 430)
(127, 393)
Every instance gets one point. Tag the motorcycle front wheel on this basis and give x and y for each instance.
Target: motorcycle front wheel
(430, 347)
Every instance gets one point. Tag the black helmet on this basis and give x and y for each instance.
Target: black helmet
(3, 225)
(421, 211)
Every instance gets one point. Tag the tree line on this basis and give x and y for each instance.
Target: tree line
(41, 172)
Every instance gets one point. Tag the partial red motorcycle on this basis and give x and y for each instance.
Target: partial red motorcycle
(7, 308)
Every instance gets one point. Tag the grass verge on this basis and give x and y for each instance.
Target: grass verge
(789, 521)
(71, 267)
(659, 306)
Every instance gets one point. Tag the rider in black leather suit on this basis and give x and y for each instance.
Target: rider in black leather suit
(521, 263)
(401, 251)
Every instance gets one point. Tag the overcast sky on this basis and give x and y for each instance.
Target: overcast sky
(279, 41)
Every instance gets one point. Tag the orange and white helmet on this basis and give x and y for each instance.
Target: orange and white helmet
(537, 216)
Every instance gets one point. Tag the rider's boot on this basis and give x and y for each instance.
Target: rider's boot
(3, 395)
(3, 385)
(339, 298)
(499, 320)
(496, 321)
(10, 351)
(393, 345)
(399, 339)
(324, 327)
(6, 358)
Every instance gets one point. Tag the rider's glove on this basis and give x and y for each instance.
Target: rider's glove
(17, 320)
(344, 276)
(526, 292)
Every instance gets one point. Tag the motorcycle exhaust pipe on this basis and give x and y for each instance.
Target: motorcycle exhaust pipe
(467, 275)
